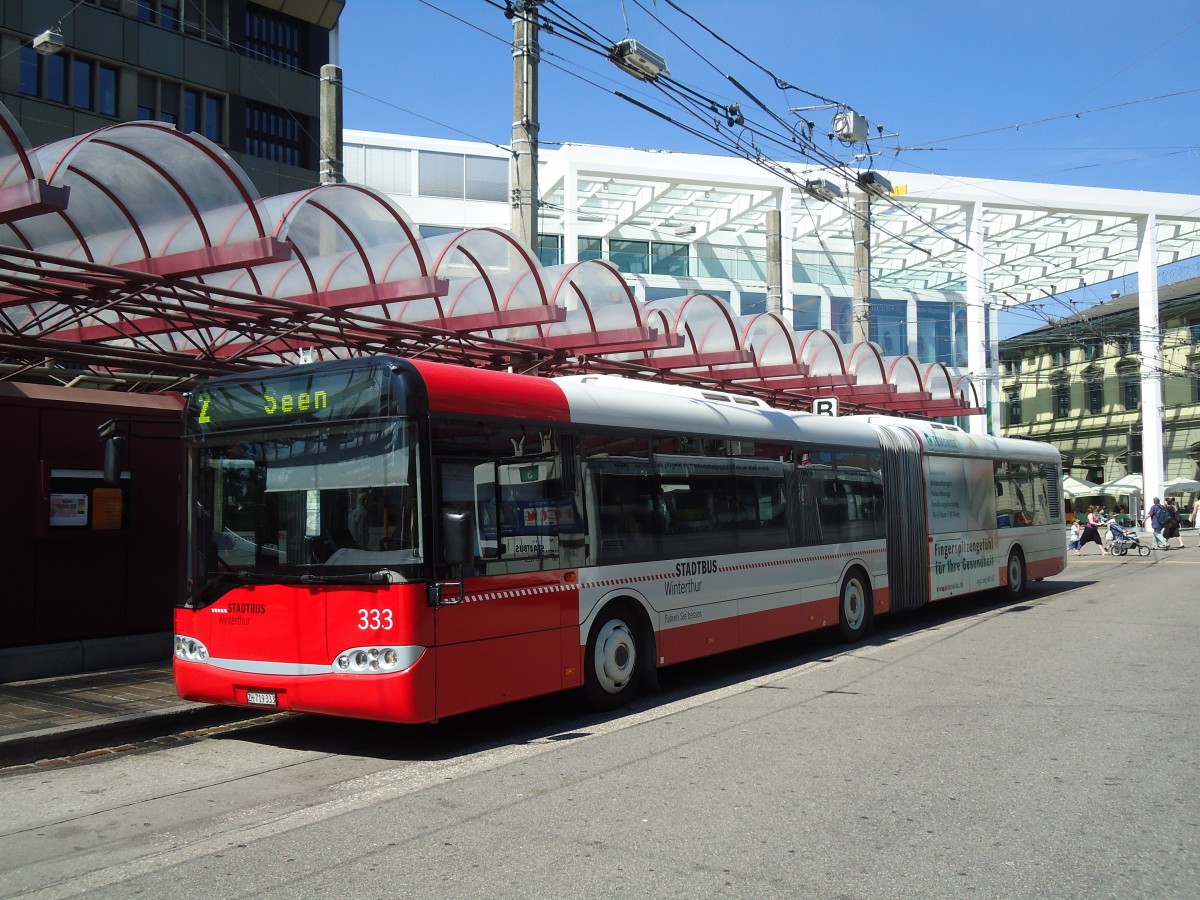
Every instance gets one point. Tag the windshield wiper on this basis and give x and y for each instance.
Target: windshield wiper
(382, 575)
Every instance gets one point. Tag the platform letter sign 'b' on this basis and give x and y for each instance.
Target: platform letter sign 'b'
(825, 406)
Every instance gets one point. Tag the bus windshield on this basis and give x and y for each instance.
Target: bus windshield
(320, 502)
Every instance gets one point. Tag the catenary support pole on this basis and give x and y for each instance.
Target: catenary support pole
(523, 170)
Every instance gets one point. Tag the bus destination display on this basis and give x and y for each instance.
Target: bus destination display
(338, 395)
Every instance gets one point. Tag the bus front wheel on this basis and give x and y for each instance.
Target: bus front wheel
(611, 659)
(854, 606)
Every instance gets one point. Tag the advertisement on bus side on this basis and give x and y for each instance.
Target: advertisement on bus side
(962, 518)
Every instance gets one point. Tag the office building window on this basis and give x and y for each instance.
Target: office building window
(460, 177)
(669, 259)
(106, 90)
(30, 72)
(1131, 387)
(889, 326)
(275, 134)
(191, 110)
(54, 80)
(1093, 389)
(204, 19)
(274, 39)
(65, 77)
(486, 178)
(1014, 408)
(630, 256)
(383, 168)
(212, 126)
(549, 249)
(168, 102)
(1062, 401)
(187, 108)
(81, 83)
(591, 248)
(753, 302)
(207, 19)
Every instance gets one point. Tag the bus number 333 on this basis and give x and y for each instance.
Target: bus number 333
(375, 619)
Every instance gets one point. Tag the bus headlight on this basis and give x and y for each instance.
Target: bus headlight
(375, 660)
(190, 649)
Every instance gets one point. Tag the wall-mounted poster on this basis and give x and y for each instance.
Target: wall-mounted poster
(69, 510)
(106, 508)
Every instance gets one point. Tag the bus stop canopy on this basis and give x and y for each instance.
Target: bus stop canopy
(137, 257)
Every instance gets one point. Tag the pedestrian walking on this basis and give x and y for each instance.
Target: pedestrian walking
(1156, 517)
(1076, 531)
(1171, 527)
(1091, 531)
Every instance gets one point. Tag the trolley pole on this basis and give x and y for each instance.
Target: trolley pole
(331, 115)
(860, 311)
(523, 170)
(774, 262)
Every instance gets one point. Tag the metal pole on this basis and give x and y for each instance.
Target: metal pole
(1149, 326)
(331, 115)
(331, 125)
(774, 262)
(860, 310)
(523, 171)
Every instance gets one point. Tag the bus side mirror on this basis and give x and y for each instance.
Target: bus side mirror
(114, 459)
(458, 539)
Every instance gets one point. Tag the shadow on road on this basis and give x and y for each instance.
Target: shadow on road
(560, 717)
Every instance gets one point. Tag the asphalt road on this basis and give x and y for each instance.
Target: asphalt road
(1041, 749)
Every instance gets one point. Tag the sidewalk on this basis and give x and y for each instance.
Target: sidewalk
(71, 714)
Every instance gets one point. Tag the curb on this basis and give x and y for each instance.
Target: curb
(72, 740)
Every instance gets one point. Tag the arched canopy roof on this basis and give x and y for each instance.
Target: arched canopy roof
(602, 315)
(145, 197)
(23, 188)
(710, 336)
(137, 249)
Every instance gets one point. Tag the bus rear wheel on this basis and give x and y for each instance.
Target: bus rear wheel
(1016, 575)
(854, 606)
(611, 664)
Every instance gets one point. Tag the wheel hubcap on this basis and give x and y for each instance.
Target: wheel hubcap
(615, 656)
(854, 605)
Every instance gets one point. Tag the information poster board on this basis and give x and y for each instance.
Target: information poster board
(80, 501)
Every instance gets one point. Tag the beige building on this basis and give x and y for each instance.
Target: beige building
(1077, 383)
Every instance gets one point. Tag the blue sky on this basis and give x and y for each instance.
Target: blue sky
(1099, 93)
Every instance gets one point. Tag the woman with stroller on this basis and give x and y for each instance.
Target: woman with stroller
(1091, 531)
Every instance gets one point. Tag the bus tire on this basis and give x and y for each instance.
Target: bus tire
(1016, 574)
(854, 606)
(612, 669)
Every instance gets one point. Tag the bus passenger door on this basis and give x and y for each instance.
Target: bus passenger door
(497, 632)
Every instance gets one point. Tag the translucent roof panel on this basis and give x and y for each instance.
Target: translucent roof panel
(904, 374)
(864, 364)
(821, 353)
(140, 190)
(17, 164)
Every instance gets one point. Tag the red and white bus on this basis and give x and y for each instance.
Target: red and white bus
(403, 540)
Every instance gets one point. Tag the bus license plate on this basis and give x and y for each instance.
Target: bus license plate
(262, 698)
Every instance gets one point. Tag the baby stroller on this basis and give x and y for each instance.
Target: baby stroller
(1122, 540)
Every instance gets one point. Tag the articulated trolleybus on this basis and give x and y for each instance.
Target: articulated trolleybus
(402, 540)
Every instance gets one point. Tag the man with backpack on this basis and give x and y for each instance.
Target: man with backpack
(1158, 516)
